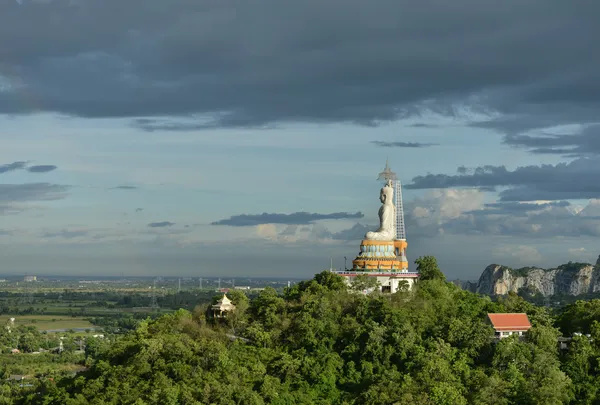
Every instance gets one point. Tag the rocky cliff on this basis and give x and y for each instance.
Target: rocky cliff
(570, 278)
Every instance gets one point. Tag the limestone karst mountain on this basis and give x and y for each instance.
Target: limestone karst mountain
(570, 279)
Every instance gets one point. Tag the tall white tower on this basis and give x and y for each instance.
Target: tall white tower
(400, 228)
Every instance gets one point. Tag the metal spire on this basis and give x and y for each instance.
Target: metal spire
(387, 173)
(153, 301)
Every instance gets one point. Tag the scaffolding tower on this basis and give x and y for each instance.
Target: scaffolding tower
(400, 227)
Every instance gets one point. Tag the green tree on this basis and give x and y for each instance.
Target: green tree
(580, 365)
(322, 344)
(363, 282)
(403, 286)
(428, 268)
(267, 307)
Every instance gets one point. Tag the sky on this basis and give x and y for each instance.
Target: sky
(244, 138)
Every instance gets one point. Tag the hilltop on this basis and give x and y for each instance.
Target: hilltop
(567, 279)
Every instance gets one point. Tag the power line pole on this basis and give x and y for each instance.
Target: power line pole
(153, 301)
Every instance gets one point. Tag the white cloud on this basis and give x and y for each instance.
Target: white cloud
(428, 214)
(577, 251)
(267, 231)
(522, 254)
(447, 203)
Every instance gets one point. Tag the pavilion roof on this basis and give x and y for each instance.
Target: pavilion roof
(510, 321)
(224, 304)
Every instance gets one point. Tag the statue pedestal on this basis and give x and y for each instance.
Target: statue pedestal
(381, 255)
(384, 260)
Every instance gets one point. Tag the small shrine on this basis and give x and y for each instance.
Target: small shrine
(383, 251)
(222, 307)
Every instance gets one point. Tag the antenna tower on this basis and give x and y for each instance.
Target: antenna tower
(28, 294)
(153, 301)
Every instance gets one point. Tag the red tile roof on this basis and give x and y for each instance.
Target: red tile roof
(510, 322)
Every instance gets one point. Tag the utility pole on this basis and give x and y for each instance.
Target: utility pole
(153, 301)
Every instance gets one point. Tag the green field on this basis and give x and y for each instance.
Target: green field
(48, 322)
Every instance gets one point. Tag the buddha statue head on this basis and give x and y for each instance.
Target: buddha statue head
(386, 196)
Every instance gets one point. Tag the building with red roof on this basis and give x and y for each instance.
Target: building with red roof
(509, 324)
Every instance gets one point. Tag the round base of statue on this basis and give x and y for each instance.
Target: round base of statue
(381, 255)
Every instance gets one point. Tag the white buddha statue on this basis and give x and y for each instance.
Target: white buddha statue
(387, 216)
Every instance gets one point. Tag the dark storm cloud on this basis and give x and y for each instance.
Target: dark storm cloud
(32, 192)
(296, 218)
(66, 234)
(162, 224)
(548, 220)
(585, 142)
(289, 230)
(577, 179)
(13, 195)
(41, 168)
(244, 63)
(9, 167)
(23, 166)
(423, 125)
(517, 208)
(384, 144)
(440, 214)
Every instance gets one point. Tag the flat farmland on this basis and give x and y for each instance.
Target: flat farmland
(48, 322)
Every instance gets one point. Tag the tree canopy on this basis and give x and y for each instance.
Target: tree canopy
(428, 268)
(322, 343)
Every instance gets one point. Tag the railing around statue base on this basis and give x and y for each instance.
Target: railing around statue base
(383, 273)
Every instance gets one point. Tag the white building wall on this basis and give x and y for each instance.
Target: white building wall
(387, 281)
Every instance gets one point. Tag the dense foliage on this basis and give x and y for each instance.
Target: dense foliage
(320, 343)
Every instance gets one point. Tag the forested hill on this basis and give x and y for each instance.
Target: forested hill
(321, 344)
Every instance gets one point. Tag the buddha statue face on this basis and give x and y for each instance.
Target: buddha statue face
(386, 194)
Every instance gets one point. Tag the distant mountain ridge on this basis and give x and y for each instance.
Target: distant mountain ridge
(569, 279)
